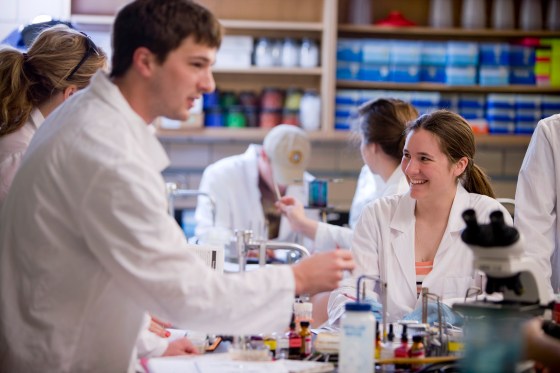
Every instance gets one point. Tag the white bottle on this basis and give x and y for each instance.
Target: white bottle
(473, 14)
(441, 13)
(503, 15)
(531, 15)
(553, 15)
(357, 339)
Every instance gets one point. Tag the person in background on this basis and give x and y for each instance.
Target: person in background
(381, 126)
(413, 240)
(537, 200)
(246, 187)
(35, 83)
(540, 347)
(86, 244)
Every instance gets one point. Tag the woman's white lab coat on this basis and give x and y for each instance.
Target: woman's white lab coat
(536, 199)
(383, 245)
(233, 182)
(329, 236)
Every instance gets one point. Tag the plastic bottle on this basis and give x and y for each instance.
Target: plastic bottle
(417, 351)
(282, 347)
(294, 342)
(377, 342)
(309, 53)
(357, 339)
(473, 14)
(306, 341)
(530, 15)
(290, 53)
(553, 15)
(388, 351)
(503, 15)
(360, 12)
(402, 350)
(271, 343)
(441, 13)
(310, 111)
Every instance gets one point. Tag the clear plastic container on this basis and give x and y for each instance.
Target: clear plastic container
(441, 13)
(360, 12)
(473, 14)
(531, 15)
(553, 15)
(357, 339)
(503, 15)
(309, 53)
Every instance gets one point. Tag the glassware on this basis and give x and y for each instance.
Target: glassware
(441, 13)
(360, 12)
(473, 14)
(309, 53)
(553, 15)
(531, 15)
(503, 15)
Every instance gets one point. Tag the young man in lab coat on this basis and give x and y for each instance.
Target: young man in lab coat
(86, 244)
(537, 199)
(245, 187)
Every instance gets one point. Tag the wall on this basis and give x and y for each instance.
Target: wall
(14, 13)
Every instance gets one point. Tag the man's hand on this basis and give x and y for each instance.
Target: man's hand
(181, 346)
(322, 271)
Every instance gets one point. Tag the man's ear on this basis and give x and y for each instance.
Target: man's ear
(143, 60)
(69, 91)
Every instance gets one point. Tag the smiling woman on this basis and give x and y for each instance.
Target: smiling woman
(411, 241)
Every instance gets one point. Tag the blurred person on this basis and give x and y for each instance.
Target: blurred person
(536, 200)
(381, 126)
(34, 83)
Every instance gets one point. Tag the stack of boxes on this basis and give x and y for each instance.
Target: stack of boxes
(462, 59)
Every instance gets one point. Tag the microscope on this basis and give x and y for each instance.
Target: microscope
(498, 252)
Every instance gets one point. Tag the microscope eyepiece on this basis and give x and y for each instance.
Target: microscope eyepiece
(494, 234)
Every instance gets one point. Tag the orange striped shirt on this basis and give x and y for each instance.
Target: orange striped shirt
(422, 270)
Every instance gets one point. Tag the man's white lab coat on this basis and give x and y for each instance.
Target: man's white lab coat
(383, 246)
(233, 183)
(87, 247)
(536, 199)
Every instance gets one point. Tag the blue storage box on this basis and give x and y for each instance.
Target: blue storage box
(501, 101)
(404, 73)
(346, 111)
(500, 114)
(347, 97)
(550, 103)
(349, 50)
(501, 126)
(461, 53)
(471, 101)
(425, 102)
(522, 75)
(449, 101)
(433, 53)
(376, 51)
(493, 75)
(343, 123)
(432, 74)
(347, 70)
(405, 52)
(494, 54)
(470, 113)
(373, 73)
(525, 127)
(521, 56)
(460, 75)
(528, 102)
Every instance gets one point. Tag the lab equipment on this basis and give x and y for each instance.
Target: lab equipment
(306, 340)
(318, 193)
(357, 339)
(492, 333)
(294, 342)
(245, 242)
(174, 192)
(432, 313)
(417, 351)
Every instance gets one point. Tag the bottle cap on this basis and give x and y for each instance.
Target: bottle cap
(417, 338)
(353, 306)
(304, 324)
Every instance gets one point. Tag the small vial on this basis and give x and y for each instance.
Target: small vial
(271, 343)
(306, 342)
(294, 342)
(417, 351)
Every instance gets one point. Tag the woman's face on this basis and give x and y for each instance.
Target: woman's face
(427, 168)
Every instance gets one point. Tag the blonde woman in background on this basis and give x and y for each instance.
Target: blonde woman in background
(60, 62)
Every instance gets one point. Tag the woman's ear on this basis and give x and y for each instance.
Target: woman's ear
(460, 166)
(69, 91)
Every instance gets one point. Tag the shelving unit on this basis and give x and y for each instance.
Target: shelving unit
(325, 21)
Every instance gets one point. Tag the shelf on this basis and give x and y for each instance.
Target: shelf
(90, 19)
(271, 25)
(446, 33)
(268, 70)
(357, 84)
(256, 135)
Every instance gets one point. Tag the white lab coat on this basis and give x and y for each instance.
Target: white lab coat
(536, 199)
(233, 183)
(367, 189)
(87, 247)
(383, 245)
(12, 149)
(329, 236)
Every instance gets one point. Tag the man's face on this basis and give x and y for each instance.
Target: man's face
(182, 78)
